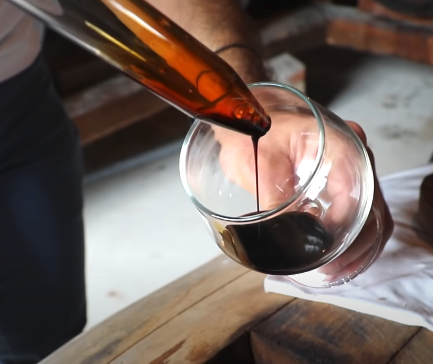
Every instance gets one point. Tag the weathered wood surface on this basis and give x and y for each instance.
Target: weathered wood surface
(220, 314)
(111, 105)
(418, 350)
(198, 334)
(373, 7)
(347, 26)
(352, 28)
(311, 332)
(108, 340)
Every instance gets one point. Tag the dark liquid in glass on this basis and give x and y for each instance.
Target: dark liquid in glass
(289, 243)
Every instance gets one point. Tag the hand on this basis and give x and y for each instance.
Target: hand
(351, 259)
(281, 152)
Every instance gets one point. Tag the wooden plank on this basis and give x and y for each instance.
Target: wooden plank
(165, 127)
(111, 105)
(347, 34)
(418, 350)
(106, 341)
(372, 7)
(349, 27)
(375, 39)
(100, 94)
(118, 114)
(199, 333)
(311, 332)
(381, 40)
(412, 46)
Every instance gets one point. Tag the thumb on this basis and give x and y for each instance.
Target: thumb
(358, 130)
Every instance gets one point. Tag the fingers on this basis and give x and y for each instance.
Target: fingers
(352, 269)
(363, 244)
(358, 130)
(370, 238)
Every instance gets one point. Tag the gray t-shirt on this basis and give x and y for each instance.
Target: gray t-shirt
(20, 40)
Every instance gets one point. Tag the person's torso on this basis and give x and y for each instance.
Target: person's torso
(20, 40)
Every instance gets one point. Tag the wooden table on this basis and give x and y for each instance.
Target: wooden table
(219, 313)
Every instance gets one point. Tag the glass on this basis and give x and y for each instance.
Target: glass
(151, 49)
(316, 189)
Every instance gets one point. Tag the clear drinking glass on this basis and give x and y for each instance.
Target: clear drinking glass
(316, 189)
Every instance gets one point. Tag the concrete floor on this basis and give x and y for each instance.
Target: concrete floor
(142, 232)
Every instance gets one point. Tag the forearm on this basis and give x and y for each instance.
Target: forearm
(218, 23)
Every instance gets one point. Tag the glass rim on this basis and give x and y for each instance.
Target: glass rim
(269, 213)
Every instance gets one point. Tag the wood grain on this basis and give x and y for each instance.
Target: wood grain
(373, 38)
(111, 105)
(168, 126)
(106, 341)
(418, 350)
(198, 334)
(377, 9)
(352, 28)
(310, 332)
(347, 26)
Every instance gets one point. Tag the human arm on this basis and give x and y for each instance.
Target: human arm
(217, 24)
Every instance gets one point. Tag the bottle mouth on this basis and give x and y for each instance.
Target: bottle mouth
(261, 215)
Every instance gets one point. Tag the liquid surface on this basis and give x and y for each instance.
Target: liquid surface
(286, 244)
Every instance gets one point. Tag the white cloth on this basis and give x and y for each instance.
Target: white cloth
(399, 285)
(20, 40)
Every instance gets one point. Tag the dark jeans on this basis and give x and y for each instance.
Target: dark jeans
(42, 291)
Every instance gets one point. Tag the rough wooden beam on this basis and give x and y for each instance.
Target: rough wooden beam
(376, 9)
(350, 27)
(111, 105)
